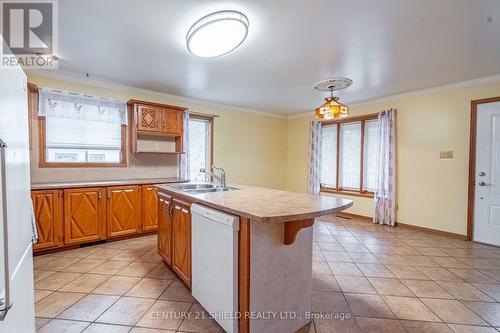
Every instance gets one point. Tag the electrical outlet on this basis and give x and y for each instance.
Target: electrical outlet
(157, 167)
(447, 154)
(132, 166)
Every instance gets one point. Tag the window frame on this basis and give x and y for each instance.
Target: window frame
(337, 189)
(42, 148)
(210, 120)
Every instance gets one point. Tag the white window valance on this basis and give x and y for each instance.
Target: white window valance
(70, 105)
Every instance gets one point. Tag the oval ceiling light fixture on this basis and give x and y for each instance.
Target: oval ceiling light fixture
(217, 34)
(332, 108)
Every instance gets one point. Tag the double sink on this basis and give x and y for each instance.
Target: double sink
(199, 188)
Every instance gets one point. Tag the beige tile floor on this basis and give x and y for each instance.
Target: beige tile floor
(383, 279)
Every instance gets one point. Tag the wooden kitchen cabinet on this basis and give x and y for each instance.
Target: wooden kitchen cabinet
(149, 118)
(84, 215)
(181, 239)
(47, 206)
(149, 208)
(155, 118)
(156, 128)
(165, 227)
(123, 208)
(172, 123)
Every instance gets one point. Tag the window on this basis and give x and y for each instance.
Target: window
(349, 155)
(200, 146)
(80, 130)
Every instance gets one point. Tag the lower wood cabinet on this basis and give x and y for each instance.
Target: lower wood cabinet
(123, 208)
(181, 239)
(165, 227)
(73, 216)
(84, 215)
(149, 208)
(48, 209)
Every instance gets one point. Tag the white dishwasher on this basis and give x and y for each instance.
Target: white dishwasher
(215, 264)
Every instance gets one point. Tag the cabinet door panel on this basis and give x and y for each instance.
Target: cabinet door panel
(84, 215)
(149, 118)
(149, 208)
(47, 206)
(165, 228)
(123, 210)
(172, 121)
(181, 240)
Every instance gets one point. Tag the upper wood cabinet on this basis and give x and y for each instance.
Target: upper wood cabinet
(47, 206)
(172, 121)
(165, 227)
(84, 215)
(149, 118)
(123, 210)
(149, 208)
(156, 128)
(181, 239)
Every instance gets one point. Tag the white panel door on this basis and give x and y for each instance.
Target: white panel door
(487, 188)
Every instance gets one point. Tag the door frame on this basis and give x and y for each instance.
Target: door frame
(472, 162)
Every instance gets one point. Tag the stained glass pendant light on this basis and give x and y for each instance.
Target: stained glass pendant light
(332, 108)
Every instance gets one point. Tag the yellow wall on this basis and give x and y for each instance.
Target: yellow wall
(249, 145)
(261, 150)
(432, 192)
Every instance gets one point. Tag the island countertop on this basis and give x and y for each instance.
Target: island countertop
(264, 204)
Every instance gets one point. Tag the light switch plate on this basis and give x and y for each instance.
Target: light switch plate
(447, 154)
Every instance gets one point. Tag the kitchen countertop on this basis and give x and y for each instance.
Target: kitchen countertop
(267, 205)
(57, 185)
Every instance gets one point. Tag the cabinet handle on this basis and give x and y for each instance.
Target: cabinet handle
(99, 195)
(108, 195)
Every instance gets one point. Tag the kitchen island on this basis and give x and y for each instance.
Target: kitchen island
(274, 248)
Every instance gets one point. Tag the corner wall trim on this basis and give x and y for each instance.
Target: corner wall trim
(367, 219)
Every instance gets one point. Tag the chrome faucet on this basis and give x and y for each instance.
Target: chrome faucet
(221, 178)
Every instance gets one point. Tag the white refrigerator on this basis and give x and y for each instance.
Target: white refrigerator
(17, 314)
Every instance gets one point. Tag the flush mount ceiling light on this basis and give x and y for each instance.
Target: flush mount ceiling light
(332, 108)
(217, 33)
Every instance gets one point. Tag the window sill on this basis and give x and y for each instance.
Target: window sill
(348, 193)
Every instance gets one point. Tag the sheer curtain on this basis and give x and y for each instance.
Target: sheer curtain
(385, 194)
(184, 163)
(69, 105)
(313, 185)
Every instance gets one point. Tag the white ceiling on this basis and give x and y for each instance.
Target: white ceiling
(386, 47)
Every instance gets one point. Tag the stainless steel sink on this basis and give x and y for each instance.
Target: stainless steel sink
(194, 186)
(199, 188)
(210, 190)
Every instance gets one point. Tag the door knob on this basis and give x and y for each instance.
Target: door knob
(482, 174)
(483, 184)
